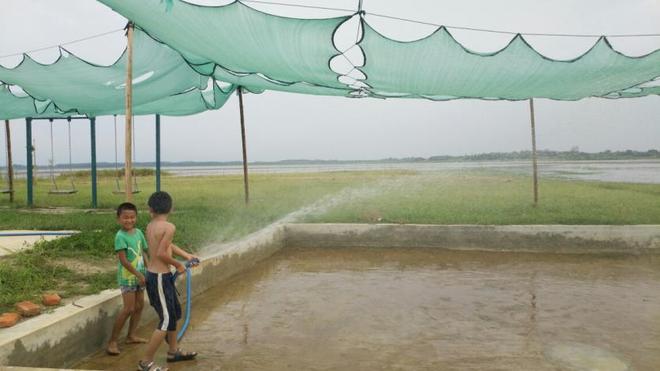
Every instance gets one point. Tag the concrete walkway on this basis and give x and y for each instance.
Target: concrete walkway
(12, 241)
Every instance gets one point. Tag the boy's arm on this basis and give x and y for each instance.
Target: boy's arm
(129, 267)
(164, 250)
(176, 250)
(145, 257)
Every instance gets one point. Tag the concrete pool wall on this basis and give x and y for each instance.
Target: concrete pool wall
(565, 239)
(71, 332)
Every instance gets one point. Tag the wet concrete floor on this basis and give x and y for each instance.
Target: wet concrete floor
(423, 309)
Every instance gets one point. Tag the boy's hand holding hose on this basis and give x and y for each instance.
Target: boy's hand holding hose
(192, 262)
(181, 268)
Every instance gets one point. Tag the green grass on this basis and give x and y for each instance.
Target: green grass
(212, 209)
(496, 198)
(205, 209)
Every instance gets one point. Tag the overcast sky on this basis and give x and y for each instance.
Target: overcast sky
(291, 126)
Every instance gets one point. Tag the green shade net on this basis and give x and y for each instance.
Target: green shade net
(438, 67)
(257, 84)
(182, 49)
(162, 83)
(241, 45)
(182, 104)
(248, 47)
(14, 106)
(641, 90)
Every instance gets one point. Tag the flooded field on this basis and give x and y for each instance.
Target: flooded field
(423, 309)
(610, 171)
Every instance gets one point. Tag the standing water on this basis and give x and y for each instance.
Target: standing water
(425, 309)
(640, 171)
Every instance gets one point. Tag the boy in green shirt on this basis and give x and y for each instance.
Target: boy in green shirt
(130, 246)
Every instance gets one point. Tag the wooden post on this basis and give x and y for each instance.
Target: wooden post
(534, 164)
(245, 165)
(128, 153)
(10, 165)
(92, 134)
(157, 153)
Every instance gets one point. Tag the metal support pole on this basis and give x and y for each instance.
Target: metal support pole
(128, 150)
(245, 165)
(157, 153)
(92, 131)
(28, 146)
(10, 164)
(534, 162)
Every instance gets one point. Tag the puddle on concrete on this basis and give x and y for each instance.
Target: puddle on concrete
(422, 309)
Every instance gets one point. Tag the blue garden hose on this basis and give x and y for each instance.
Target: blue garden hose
(186, 322)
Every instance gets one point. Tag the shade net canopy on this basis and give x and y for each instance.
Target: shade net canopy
(243, 45)
(239, 44)
(16, 105)
(182, 51)
(163, 83)
(438, 67)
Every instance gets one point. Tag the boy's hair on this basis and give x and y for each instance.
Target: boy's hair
(126, 206)
(160, 202)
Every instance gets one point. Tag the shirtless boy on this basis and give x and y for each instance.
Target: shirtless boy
(160, 283)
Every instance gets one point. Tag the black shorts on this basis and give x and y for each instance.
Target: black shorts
(163, 297)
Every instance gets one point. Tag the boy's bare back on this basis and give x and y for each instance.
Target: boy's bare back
(160, 234)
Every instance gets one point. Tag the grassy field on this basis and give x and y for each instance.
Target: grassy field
(481, 197)
(212, 209)
(205, 209)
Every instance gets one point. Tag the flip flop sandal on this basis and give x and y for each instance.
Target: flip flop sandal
(150, 367)
(180, 356)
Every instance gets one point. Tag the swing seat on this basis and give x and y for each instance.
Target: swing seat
(55, 190)
(120, 192)
(62, 191)
(5, 191)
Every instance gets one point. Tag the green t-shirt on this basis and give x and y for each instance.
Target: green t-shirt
(134, 244)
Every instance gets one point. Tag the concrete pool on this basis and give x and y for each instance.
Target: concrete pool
(367, 308)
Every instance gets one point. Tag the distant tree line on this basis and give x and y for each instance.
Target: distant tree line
(573, 155)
